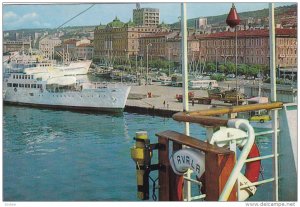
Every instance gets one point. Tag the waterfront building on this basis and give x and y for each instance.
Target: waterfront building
(173, 50)
(118, 40)
(146, 16)
(166, 45)
(253, 47)
(85, 51)
(12, 46)
(157, 46)
(73, 49)
(47, 44)
(66, 51)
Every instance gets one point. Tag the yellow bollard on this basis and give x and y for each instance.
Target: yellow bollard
(141, 157)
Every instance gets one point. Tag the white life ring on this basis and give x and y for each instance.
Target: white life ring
(185, 159)
(189, 158)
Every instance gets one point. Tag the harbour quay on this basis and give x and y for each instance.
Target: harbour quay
(156, 99)
(160, 100)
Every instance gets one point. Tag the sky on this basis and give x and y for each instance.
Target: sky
(25, 16)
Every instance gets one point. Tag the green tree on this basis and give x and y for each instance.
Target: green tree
(242, 69)
(222, 68)
(230, 68)
(217, 77)
(265, 70)
(210, 67)
(252, 71)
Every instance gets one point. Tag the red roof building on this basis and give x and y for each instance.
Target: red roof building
(252, 47)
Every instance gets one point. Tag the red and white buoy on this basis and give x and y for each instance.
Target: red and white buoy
(233, 18)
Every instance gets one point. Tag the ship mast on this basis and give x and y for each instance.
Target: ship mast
(273, 98)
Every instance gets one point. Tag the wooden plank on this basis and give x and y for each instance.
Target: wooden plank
(163, 174)
(192, 142)
(217, 171)
(176, 181)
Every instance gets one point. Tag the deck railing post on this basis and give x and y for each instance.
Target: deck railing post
(163, 174)
(218, 168)
(168, 180)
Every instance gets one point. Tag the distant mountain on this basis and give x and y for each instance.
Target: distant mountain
(68, 29)
(258, 14)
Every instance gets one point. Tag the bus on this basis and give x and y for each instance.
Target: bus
(202, 84)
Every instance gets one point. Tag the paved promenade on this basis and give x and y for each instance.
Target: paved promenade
(160, 95)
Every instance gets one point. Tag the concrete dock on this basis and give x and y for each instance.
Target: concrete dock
(162, 101)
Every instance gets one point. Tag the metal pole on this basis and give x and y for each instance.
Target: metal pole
(136, 67)
(147, 65)
(185, 86)
(216, 59)
(169, 63)
(236, 79)
(273, 98)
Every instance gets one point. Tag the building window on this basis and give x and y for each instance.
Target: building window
(9, 84)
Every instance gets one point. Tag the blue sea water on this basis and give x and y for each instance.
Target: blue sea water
(51, 155)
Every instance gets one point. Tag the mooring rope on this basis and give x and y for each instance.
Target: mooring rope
(154, 197)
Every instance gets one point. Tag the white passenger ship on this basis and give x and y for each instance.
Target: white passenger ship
(63, 92)
(74, 68)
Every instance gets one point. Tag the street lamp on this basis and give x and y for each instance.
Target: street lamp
(169, 62)
(149, 44)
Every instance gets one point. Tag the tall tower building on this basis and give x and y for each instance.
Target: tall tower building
(200, 23)
(145, 16)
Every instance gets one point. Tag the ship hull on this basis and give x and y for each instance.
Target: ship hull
(65, 107)
(109, 99)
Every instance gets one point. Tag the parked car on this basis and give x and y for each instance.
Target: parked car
(230, 76)
(250, 78)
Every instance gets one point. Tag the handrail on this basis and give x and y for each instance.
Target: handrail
(203, 116)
